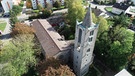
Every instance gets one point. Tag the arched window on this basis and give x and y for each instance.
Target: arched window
(80, 36)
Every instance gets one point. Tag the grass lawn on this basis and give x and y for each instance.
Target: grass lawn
(2, 25)
(109, 9)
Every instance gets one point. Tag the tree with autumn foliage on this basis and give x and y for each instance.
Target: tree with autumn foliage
(21, 28)
(28, 4)
(53, 67)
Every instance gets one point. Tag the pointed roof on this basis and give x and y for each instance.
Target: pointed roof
(88, 18)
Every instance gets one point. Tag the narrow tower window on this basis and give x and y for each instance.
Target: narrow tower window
(80, 36)
(90, 39)
(88, 50)
(92, 32)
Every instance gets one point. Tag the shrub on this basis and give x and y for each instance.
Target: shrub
(21, 4)
(57, 4)
(17, 9)
(28, 4)
(35, 11)
(46, 13)
(20, 28)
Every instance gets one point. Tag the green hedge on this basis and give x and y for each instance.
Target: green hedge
(35, 11)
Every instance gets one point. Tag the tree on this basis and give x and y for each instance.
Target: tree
(57, 4)
(114, 44)
(53, 67)
(16, 9)
(122, 21)
(103, 26)
(28, 4)
(13, 18)
(94, 18)
(20, 28)
(18, 56)
(40, 8)
(1, 45)
(49, 6)
(76, 11)
(46, 13)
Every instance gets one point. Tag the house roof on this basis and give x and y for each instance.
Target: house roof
(120, 6)
(97, 12)
(123, 73)
(131, 10)
(49, 39)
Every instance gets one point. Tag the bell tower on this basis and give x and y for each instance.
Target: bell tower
(85, 37)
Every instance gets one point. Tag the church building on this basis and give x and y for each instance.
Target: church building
(54, 45)
(85, 37)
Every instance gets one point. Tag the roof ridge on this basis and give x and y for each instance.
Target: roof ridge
(49, 34)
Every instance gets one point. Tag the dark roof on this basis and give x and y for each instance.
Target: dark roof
(122, 6)
(49, 39)
(97, 12)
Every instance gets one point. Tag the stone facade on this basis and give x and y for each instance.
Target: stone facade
(85, 37)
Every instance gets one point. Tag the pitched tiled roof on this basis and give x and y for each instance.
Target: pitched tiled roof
(49, 39)
(120, 6)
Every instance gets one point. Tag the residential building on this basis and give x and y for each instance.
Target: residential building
(123, 72)
(119, 8)
(16, 2)
(43, 3)
(133, 1)
(52, 43)
(130, 11)
(85, 37)
(35, 3)
(119, 1)
(7, 5)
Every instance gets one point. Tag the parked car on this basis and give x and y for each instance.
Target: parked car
(6, 15)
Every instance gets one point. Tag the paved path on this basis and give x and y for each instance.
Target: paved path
(60, 11)
(6, 33)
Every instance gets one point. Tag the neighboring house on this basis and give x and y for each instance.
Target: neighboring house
(7, 5)
(123, 72)
(16, 2)
(43, 3)
(133, 1)
(96, 11)
(118, 1)
(130, 11)
(119, 8)
(52, 43)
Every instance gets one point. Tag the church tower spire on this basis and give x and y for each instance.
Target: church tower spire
(88, 18)
(85, 37)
